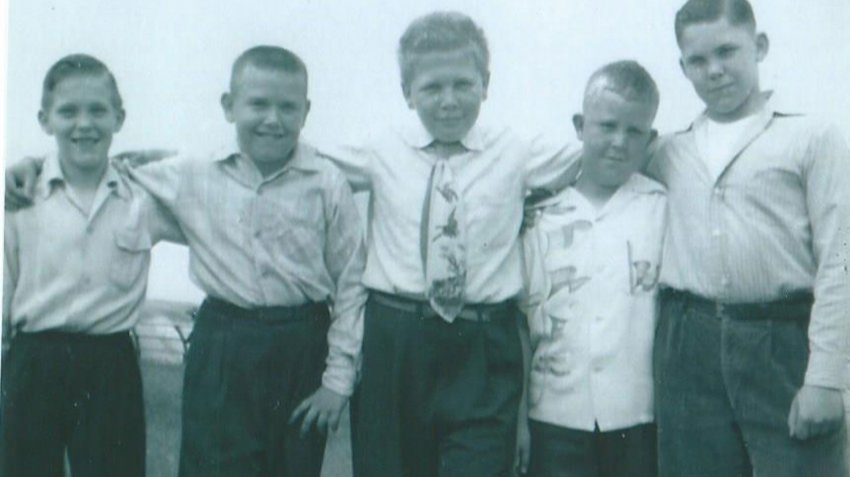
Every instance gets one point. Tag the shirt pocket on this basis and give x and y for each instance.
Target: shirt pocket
(131, 258)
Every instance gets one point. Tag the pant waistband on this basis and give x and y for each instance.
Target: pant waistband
(794, 306)
(72, 337)
(270, 314)
(481, 312)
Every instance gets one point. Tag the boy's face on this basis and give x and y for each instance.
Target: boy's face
(82, 116)
(269, 108)
(721, 61)
(615, 133)
(446, 91)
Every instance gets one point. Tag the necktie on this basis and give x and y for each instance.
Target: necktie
(442, 242)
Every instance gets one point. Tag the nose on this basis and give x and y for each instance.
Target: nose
(715, 69)
(448, 98)
(83, 121)
(274, 117)
(619, 139)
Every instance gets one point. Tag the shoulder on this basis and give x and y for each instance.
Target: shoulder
(319, 163)
(643, 185)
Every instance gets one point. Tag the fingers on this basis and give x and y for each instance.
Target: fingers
(333, 422)
(793, 417)
(311, 416)
(299, 411)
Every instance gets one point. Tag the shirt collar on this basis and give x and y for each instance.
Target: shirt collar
(416, 136)
(303, 159)
(51, 176)
(774, 105)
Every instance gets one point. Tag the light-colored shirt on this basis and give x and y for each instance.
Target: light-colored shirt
(71, 270)
(592, 279)
(285, 240)
(776, 221)
(493, 175)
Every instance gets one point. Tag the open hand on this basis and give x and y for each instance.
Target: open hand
(323, 408)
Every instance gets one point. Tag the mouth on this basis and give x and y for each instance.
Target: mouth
(720, 89)
(617, 159)
(270, 135)
(85, 141)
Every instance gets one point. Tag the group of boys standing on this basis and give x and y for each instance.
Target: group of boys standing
(739, 371)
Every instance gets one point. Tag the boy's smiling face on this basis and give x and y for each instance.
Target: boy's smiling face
(721, 61)
(269, 107)
(82, 116)
(446, 90)
(615, 133)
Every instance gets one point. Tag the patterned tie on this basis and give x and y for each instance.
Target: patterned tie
(442, 242)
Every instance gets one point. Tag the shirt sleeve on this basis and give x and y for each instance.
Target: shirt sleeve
(161, 223)
(162, 180)
(345, 258)
(10, 274)
(828, 203)
(550, 165)
(354, 159)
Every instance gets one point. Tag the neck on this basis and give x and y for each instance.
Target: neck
(597, 194)
(446, 149)
(84, 180)
(755, 102)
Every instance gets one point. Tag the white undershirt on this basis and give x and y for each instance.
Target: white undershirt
(719, 142)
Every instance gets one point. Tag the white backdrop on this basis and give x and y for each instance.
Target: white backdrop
(172, 60)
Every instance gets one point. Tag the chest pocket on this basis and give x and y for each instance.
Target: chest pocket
(131, 257)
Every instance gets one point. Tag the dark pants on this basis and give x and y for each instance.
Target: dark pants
(724, 386)
(245, 374)
(76, 394)
(561, 452)
(437, 399)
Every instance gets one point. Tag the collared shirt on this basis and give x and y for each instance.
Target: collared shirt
(70, 270)
(592, 276)
(775, 221)
(493, 175)
(284, 240)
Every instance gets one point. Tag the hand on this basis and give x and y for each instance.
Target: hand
(815, 411)
(20, 183)
(130, 159)
(523, 447)
(324, 408)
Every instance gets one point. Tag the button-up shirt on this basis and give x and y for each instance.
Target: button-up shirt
(71, 270)
(284, 240)
(493, 175)
(776, 220)
(592, 279)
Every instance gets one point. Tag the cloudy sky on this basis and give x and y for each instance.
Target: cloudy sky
(172, 60)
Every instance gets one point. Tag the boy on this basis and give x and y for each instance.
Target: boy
(274, 239)
(75, 274)
(753, 331)
(593, 262)
(442, 362)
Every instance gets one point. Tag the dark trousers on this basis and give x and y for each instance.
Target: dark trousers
(245, 374)
(437, 399)
(724, 385)
(76, 394)
(561, 452)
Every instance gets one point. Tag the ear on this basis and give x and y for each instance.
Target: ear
(227, 106)
(405, 90)
(653, 135)
(485, 83)
(121, 116)
(578, 124)
(682, 67)
(45, 126)
(306, 112)
(762, 46)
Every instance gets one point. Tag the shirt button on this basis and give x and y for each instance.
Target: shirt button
(597, 368)
(724, 281)
(257, 234)
(598, 319)
(718, 190)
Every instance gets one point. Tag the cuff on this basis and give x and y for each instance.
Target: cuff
(828, 370)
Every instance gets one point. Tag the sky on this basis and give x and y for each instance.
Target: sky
(172, 60)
